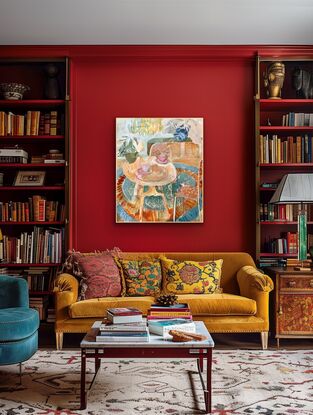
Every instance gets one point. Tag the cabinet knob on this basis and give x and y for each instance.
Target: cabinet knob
(311, 283)
(291, 284)
(280, 311)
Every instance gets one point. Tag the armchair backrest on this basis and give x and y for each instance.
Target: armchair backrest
(13, 292)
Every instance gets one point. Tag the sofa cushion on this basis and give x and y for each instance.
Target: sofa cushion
(98, 272)
(17, 323)
(219, 304)
(141, 278)
(191, 277)
(97, 307)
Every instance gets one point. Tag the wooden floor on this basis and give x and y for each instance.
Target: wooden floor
(222, 341)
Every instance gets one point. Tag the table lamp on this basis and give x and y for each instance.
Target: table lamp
(296, 188)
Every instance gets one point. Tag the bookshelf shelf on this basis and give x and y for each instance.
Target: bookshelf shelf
(284, 129)
(279, 104)
(283, 165)
(13, 223)
(283, 144)
(24, 138)
(34, 219)
(30, 165)
(32, 102)
(14, 265)
(30, 188)
(281, 222)
(269, 254)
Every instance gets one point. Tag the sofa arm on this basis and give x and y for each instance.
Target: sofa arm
(66, 293)
(257, 286)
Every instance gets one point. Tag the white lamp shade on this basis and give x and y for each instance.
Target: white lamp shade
(294, 188)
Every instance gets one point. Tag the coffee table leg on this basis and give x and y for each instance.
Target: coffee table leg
(83, 396)
(208, 391)
(201, 360)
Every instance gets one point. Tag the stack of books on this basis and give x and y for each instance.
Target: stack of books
(162, 319)
(159, 312)
(123, 325)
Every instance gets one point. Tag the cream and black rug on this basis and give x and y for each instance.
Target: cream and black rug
(244, 382)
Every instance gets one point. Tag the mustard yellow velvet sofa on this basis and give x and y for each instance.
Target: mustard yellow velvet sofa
(243, 306)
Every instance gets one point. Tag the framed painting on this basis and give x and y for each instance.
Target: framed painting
(159, 170)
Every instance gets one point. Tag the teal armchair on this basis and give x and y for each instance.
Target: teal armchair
(18, 323)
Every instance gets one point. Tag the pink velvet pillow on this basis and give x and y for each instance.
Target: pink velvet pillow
(101, 277)
(98, 273)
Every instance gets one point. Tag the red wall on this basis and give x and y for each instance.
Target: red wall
(216, 83)
(221, 94)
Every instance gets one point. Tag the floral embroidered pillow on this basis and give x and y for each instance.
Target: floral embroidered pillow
(190, 277)
(142, 277)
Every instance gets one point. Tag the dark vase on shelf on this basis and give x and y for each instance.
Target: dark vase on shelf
(52, 90)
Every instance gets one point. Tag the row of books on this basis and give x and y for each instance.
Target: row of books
(286, 244)
(284, 262)
(32, 123)
(266, 262)
(286, 150)
(37, 278)
(284, 212)
(297, 119)
(39, 246)
(37, 208)
(41, 305)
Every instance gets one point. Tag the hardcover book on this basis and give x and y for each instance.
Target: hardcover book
(124, 311)
(162, 327)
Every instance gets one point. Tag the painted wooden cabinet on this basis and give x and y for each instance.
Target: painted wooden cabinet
(293, 303)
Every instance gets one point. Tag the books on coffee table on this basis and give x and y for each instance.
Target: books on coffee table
(123, 336)
(162, 327)
(124, 315)
(158, 312)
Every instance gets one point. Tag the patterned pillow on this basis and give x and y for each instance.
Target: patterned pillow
(98, 272)
(141, 277)
(190, 277)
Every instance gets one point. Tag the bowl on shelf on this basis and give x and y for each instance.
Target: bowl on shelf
(13, 90)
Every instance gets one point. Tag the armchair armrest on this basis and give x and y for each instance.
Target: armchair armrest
(66, 293)
(257, 286)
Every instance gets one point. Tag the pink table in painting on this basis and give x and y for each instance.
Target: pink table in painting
(156, 348)
(149, 173)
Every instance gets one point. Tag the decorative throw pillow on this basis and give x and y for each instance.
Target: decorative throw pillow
(98, 272)
(190, 277)
(141, 277)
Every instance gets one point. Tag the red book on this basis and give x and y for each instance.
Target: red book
(124, 311)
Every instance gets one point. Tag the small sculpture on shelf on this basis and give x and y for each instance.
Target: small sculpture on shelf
(52, 90)
(302, 82)
(274, 79)
(13, 90)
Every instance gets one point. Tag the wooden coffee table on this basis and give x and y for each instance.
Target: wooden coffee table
(156, 348)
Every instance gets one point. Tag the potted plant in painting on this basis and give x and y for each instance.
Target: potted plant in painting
(129, 149)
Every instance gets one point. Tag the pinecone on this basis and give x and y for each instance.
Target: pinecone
(167, 300)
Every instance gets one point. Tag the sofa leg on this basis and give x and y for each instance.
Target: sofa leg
(59, 340)
(264, 339)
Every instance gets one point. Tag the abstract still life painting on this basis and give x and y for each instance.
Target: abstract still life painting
(159, 170)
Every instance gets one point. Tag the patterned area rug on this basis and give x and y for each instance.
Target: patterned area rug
(244, 382)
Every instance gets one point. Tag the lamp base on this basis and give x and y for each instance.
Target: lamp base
(302, 236)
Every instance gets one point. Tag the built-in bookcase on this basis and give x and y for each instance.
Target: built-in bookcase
(284, 144)
(34, 196)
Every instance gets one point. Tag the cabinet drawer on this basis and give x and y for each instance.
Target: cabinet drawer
(296, 282)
